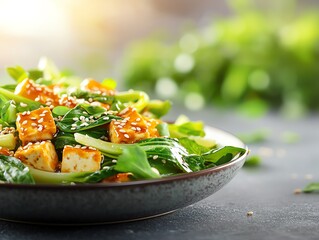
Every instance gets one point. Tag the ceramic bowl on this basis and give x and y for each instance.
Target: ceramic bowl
(117, 202)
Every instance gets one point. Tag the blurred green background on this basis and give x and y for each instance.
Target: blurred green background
(251, 56)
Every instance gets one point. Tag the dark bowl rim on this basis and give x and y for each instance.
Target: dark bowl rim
(137, 183)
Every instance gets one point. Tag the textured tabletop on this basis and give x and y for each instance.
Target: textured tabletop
(267, 191)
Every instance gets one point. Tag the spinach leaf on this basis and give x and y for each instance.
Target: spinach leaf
(183, 127)
(12, 170)
(83, 117)
(192, 147)
(222, 155)
(134, 160)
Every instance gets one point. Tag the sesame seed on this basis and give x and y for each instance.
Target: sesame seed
(45, 111)
(124, 111)
(75, 119)
(155, 157)
(33, 124)
(133, 128)
(22, 104)
(41, 120)
(138, 129)
(24, 122)
(73, 125)
(73, 128)
(138, 119)
(42, 115)
(91, 117)
(116, 123)
(106, 118)
(33, 118)
(119, 126)
(84, 124)
(148, 124)
(126, 135)
(134, 123)
(114, 161)
(123, 124)
(40, 128)
(92, 148)
(24, 113)
(122, 131)
(37, 99)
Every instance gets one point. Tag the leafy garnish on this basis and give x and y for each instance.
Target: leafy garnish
(83, 117)
(12, 170)
(311, 188)
(134, 160)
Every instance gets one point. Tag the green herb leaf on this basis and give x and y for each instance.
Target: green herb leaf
(222, 155)
(134, 160)
(187, 129)
(12, 170)
(311, 188)
(83, 117)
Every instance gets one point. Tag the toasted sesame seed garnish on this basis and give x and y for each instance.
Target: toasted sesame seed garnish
(250, 213)
(126, 135)
(122, 131)
(41, 120)
(33, 118)
(123, 124)
(155, 157)
(22, 104)
(106, 118)
(133, 128)
(138, 119)
(33, 124)
(114, 161)
(148, 124)
(138, 129)
(42, 115)
(24, 113)
(84, 147)
(124, 111)
(91, 148)
(84, 124)
(40, 128)
(75, 119)
(37, 99)
(116, 123)
(38, 89)
(45, 111)
(134, 123)
(24, 122)
(119, 126)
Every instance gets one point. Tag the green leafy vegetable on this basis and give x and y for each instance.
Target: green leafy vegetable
(17, 73)
(92, 96)
(158, 108)
(13, 171)
(76, 177)
(311, 188)
(83, 117)
(134, 160)
(183, 127)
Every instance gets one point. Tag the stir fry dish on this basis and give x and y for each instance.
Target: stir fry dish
(58, 129)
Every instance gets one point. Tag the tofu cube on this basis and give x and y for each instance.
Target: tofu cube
(92, 85)
(76, 159)
(40, 155)
(37, 125)
(41, 93)
(132, 128)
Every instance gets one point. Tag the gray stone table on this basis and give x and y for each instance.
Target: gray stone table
(267, 191)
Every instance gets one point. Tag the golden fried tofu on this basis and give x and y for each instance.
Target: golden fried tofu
(36, 125)
(93, 86)
(40, 155)
(132, 128)
(80, 159)
(41, 93)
